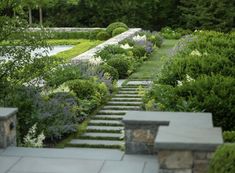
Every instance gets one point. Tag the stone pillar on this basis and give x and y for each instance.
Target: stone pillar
(184, 161)
(7, 127)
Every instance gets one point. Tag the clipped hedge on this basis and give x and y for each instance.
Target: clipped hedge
(118, 31)
(115, 25)
(102, 35)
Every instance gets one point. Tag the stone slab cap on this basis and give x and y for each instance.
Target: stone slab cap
(191, 119)
(186, 138)
(7, 112)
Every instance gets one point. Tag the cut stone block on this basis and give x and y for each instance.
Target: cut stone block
(122, 107)
(105, 122)
(147, 82)
(188, 138)
(124, 103)
(111, 135)
(128, 95)
(95, 142)
(104, 128)
(110, 117)
(112, 112)
(126, 99)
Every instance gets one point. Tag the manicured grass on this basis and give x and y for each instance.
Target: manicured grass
(56, 42)
(78, 49)
(149, 69)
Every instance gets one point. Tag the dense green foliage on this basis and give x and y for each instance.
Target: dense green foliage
(223, 160)
(199, 78)
(102, 35)
(229, 136)
(114, 26)
(148, 14)
(118, 31)
(105, 68)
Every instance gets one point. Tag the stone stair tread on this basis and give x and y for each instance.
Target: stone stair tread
(111, 112)
(128, 89)
(121, 107)
(126, 99)
(128, 92)
(109, 117)
(116, 128)
(105, 122)
(95, 142)
(111, 135)
(128, 95)
(124, 103)
(143, 82)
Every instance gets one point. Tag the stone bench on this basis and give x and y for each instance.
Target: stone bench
(186, 149)
(141, 127)
(7, 127)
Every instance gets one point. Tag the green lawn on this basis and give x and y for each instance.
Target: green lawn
(80, 46)
(150, 68)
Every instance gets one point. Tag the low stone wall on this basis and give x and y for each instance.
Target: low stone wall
(112, 41)
(66, 29)
(7, 127)
(176, 161)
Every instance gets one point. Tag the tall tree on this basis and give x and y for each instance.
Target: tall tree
(29, 4)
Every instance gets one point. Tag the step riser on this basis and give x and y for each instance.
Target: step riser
(105, 124)
(101, 138)
(94, 146)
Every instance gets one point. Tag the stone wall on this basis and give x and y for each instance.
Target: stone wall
(7, 127)
(112, 41)
(66, 29)
(175, 161)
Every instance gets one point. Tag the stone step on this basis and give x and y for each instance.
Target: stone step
(145, 83)
(127, 95)
(128, 92)
(128, 89)
(108, 117)
(109, 129)
(95, 143)
(122, 107)
(111, 112)
(124, 103)
(102, 136)
(106, 122)
(126, 99)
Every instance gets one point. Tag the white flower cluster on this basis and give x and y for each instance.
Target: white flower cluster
(96, 61)
(188, 79)
(195, 53)
(126, 46)
(31, 140)
(139, 38)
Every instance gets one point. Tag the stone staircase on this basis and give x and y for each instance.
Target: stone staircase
(105, 129)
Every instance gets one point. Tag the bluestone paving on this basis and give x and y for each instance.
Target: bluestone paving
(114, 107)
(114, 135)
(112, 112)
(43, 165)
(202, 120)
(183, 138)
(67, 153)
(116, 122)
(7, 162)
(104, 128)
(95, 142)
(122, 167)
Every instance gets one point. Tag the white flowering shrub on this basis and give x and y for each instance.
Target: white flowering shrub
(32, 139)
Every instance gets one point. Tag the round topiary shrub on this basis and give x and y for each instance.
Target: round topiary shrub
(122, 66)
(223, 160)
(102, 35)
(110, 70)
(118, 31)
(115, 25)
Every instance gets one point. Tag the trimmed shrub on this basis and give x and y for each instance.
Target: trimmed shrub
(62, 74)
(84, 89)
(102, 35)
(223, 160)
(115, 25)
(138, 51)
(109, 51)
(118, 31)
(110, 70)
(229, 136)
(121, 64)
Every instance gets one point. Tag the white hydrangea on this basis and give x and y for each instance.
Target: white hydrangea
(31, 140)
(96, 61)
(139, 38)
(126, 46)
(195, 53)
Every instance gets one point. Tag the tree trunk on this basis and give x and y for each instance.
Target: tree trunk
(30, 17)
(40, 15)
